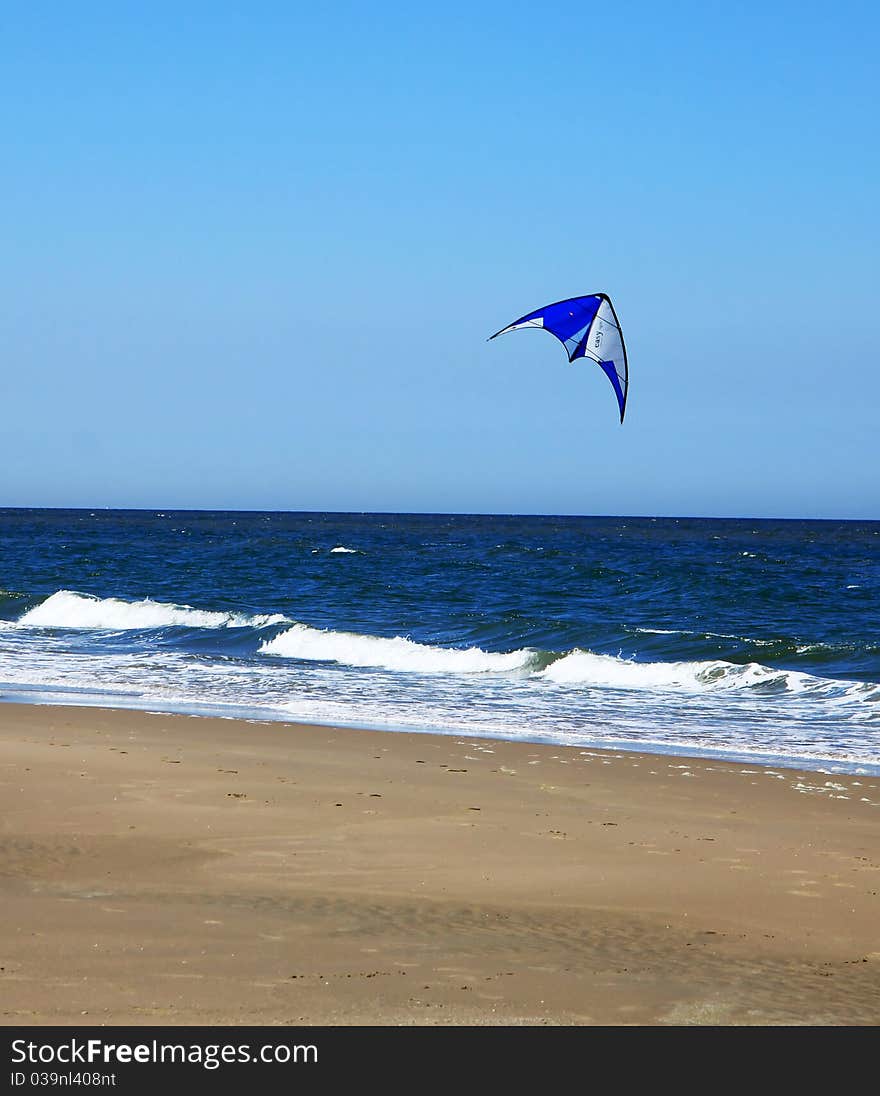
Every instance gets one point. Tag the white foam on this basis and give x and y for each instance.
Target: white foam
(584, 667)
(342, 548)
(710, 635)
(68, 609)
(741, 639)
(398, 653)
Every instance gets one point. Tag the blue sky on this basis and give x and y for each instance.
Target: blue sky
(251, 255)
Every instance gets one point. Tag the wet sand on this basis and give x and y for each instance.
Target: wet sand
(161, 869)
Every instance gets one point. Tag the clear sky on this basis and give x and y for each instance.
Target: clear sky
(250, 255)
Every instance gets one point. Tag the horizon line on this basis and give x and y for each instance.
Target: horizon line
(159, 510)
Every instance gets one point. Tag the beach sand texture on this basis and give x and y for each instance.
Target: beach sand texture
(165, 869)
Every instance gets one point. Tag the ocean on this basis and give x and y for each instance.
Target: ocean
(752, 640)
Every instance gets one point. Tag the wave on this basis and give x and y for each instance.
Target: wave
(69, 609)
(576, 667)
(399, 653)
(586, 668)
(705, 635)
(342, 548)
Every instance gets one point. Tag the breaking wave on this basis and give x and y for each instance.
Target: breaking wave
(586, 668)
(399, 653)
(68, 609)
(578, 667)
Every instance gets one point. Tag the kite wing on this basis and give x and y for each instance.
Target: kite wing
(588, 328)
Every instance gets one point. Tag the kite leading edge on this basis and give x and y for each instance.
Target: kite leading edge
(588, 328)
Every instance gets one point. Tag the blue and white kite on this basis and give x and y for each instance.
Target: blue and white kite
(588, 328)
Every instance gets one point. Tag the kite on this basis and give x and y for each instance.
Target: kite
(588, 328)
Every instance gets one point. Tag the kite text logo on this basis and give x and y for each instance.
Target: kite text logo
(597, 341)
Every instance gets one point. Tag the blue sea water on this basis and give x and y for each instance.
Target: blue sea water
(755, 640)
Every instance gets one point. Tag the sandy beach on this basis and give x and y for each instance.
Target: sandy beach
(166, 869)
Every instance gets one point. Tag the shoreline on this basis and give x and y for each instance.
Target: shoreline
(173, 869)
(819, 764)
